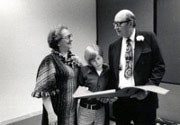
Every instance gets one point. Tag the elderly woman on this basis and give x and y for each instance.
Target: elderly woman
(56, 80)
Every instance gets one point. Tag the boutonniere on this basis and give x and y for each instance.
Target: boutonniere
(140, 38)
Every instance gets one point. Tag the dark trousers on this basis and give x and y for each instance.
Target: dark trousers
(126, 114)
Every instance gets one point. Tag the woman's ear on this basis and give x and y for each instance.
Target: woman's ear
(59, 44)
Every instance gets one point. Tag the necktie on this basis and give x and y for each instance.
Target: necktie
(129, 60)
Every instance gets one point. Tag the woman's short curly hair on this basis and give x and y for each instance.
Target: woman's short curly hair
(55, 36)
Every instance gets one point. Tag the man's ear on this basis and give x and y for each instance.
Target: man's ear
(131, 23)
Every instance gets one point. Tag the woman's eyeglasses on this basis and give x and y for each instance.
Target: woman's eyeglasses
(68, 37)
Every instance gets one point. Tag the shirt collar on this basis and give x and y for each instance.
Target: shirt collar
(132, 37)
(104, 66)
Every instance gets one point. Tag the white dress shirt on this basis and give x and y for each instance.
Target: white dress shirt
(123, 82)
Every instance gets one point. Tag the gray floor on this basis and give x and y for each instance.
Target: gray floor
(112, 123)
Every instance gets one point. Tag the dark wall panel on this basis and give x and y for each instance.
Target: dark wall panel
(168, 32)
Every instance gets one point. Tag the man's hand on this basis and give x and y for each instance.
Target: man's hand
(106, 99)
(140, 95)
(112, 99)
(103, 99)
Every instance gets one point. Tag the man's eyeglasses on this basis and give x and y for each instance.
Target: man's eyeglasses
(68, 37)
(119, 24)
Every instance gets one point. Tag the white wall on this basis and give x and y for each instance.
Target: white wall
(24, 26)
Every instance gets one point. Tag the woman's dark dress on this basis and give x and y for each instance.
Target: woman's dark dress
(57, 78)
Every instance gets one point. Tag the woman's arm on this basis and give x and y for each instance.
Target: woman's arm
(52, 117)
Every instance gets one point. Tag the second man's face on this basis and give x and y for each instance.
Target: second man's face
(121, 27)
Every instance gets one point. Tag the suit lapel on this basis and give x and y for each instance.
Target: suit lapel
(117, 53)
(138, 49)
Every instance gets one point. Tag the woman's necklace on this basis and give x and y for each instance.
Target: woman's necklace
(69, 59)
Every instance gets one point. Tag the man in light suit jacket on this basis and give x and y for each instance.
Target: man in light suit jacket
(146, 67)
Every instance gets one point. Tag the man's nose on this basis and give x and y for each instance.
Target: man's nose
(115, 26)
(97, 62)
(70, 38)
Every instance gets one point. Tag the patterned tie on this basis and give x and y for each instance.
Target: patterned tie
(129, 60)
